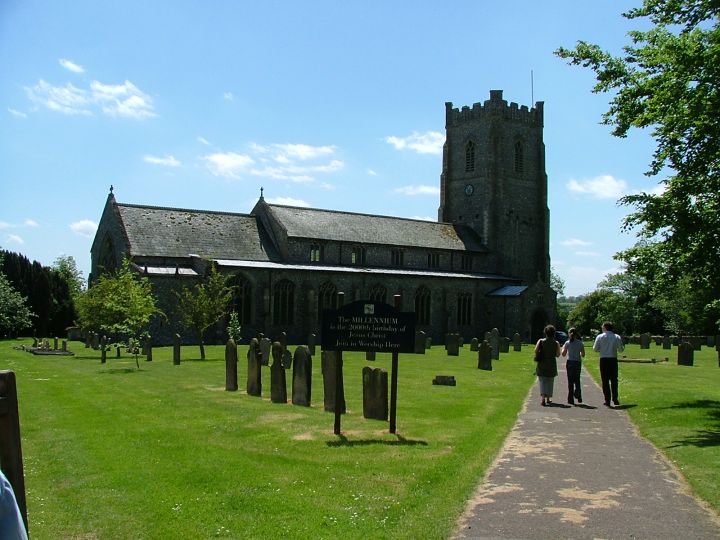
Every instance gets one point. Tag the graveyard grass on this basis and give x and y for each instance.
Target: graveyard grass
(677, 408)
(111, 451)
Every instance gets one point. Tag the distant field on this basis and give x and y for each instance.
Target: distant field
(166, 452)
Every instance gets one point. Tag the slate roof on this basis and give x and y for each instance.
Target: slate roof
(372, 229)
(173, 232)
(509, 290)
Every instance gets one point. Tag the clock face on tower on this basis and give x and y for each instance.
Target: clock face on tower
(469, 189)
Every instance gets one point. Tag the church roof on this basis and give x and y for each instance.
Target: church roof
(373, 229)
(172, 232)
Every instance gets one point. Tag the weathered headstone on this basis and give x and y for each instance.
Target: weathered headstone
(95, 341)
(278, 383)
(35, 343)
(494, 342)
(375, 393)
(419, 342)
(231, 360)
(148, 348)
(55, 344)
(696, 342)
(287, 358)
(117, 350)
(302, 377)
(474, 344)
(517, 342)
(103, 350)
(370, 356)
(64, 345)
(485, 356)
(311, 343)
(711, 341)
(645, 341)
(504, 345)
(283, 340)
(444, 380)
(329, 369)
(176, 349)
(666, 343)
(686, 354)
(461, 341)
(428, 343)
(265, 347)
(254, 371)
(452, 344)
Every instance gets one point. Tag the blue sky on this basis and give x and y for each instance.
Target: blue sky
(325, 104)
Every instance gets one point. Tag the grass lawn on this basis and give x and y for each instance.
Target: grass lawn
(165, 452)
(677, 408)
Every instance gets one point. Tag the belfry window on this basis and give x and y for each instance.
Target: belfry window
(470, 156)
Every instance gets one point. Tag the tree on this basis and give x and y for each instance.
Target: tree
(557, 283)
(204, 304)
(66, 267)
(15, 315)
(599, 306)
(668, 80)
(118, 305)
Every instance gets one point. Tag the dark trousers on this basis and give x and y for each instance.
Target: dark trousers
(573, 376)
(609, 376)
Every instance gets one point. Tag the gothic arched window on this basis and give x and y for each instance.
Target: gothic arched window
(470, 156)
(422, 305)
(464, 308)
(284, 302)
(519, 160)
(378, 293)
(242, 299)
(327, 297)
(107, 262)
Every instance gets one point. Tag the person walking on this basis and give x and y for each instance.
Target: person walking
(573, 349)
(608, 344)
(546, 352)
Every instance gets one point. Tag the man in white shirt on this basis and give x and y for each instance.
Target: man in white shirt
(608, 344)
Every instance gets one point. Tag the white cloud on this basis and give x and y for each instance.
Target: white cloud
(124, 100)
(587, 254)
(84, 227)
(600, 187)
(371, 172)
(203, 140)
(16, 113)
(288, 201)
(228, 164)
(71, 66)
(14, 239)
(303, 151)
(575, 242)
(31, 223)
(5, 225)
(418, 190)
(430, 142)
(168, 161)
(229, 96)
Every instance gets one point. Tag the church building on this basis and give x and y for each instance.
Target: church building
(484, 264)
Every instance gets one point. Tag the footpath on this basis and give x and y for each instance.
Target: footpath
(582, 472)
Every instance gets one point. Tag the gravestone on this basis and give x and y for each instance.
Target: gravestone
(254, 371)
(287, 359)
(505, 345)
(302, 376)
(645, 341)
(375, 393)
(231, 360)
(55, 344)
(265, 347)
(711, 341)
(64, 345)
(370, 356)
(95, 341)
(686, 354)
(474, 344)
(452, 344)
(87, 340)
(148, 348)
(428, 343)
(311, 343)
(420, 342)
(117, 350)
(487, 336)
(494, 342)
(666, 343)
(103, 350)
(283, 340)
(461, 342)
(485, 356)
(278, 383)
(696, 342)
(176, 349)
(329, 369)
(517, 342)
(657, 340)
(35, 343)
(444, 380)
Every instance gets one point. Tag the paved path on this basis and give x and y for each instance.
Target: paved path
(582, 472)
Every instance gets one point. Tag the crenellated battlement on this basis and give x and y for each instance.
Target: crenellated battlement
(495, 106)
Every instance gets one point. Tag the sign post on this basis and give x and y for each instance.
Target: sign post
(365, 325)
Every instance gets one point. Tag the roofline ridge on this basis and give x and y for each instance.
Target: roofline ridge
(347, 212)
(176, 209)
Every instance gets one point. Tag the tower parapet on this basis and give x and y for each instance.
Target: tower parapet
(495, 106)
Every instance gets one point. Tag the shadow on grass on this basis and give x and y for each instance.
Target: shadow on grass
(702, 437)
(401, 441)
(119, 370)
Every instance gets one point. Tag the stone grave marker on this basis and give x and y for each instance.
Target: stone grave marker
(420, 342)
(64, 345)
(504, 345)
(287, 359)
(375, 393)
(711, 341)
(283, 340)
(686, 354)
(55, 344)
(452, 343)
(428, 343)
(254, 371)
(329, 365)
(147, 345)
(444, 380)
(461, 341)
(103, 350)
(494, 342)
(265, 347)
(666, 343)
(231, 360)
(312, 338)
(302, 376)
(485, 356)
(517, 342)
(645, 341)
(176, 349)
(278, 383)
(370, 356)
(474, 344)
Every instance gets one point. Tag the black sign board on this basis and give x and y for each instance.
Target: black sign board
(368, 326)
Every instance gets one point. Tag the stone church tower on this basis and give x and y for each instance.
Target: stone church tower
(493, 180)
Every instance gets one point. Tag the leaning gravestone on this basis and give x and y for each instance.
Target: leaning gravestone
(176, 349)
(375, 393)
(329, 370)
(485, 356)
(311, 343)
(666, 343)
(302, 376)
(420, 342)
(278, 383)
(504, 345)
(452, 342)
(494, 342)
(686, 354)
(254, 371)
(231, 360)
(265, 347)
(517, 342)
(474, 344)
(645, 341)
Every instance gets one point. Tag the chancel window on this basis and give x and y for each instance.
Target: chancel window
(242, 299)
(470, 156)
(357, 256)
(106, 260)
(284, 302)
(464, 308)
(397, 257)
(433, 260)
(316, 253)
(422, 305)
(519, 159)
(327, 298)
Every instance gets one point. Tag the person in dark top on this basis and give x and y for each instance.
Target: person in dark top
(546, 352)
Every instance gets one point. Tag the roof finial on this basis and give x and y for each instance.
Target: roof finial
(111, 189)
(261, 192)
